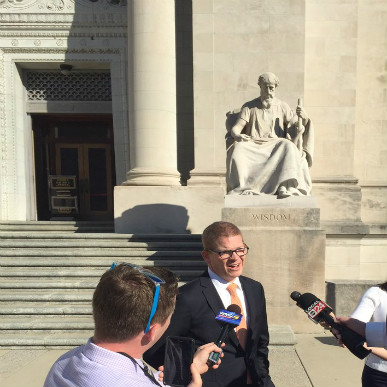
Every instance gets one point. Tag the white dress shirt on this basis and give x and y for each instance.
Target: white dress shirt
(221, 287)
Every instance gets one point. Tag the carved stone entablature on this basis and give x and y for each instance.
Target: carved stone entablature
(33, 50)
(60, 34)
(78, 19)
(63, 5)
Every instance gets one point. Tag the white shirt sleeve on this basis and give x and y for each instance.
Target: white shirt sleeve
(367, 305)
(376, 335)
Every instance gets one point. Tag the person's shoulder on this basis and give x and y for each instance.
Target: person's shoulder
(194, 285)
(67, 361)
(71, 354)
(373, 291)
(251, 104)
(377, 292)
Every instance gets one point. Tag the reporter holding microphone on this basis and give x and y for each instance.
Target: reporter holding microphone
(132, 308)
(372, 307)
(374, 332)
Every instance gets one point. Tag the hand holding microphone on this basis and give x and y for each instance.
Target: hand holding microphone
(319, 312)
(230, 319)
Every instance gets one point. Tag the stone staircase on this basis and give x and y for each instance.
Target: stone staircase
(48, 272)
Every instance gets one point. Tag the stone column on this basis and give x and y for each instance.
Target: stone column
(152, 93)
(210, 156)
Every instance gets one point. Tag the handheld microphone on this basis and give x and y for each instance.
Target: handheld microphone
(230, 320)
(318, 311)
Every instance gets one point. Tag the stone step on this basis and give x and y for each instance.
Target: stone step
(45, 308)
(63, 226)
(43, 339)
(35, 322)
(90, 252)
(95, 243)
(47, 283)
(53, 284)
(49, 270)
(38, 262)
(146, 238)
(69, 272)
(63, 295)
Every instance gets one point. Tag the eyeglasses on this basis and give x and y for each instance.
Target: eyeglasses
(226, 254)
(155, 279)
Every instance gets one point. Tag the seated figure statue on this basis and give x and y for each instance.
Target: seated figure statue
(269, 147)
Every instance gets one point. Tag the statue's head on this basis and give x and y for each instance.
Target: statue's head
(268, 78)
(268, 83)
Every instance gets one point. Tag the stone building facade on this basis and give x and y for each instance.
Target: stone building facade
(141, 113)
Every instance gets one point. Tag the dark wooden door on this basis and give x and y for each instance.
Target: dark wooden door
(91, 163)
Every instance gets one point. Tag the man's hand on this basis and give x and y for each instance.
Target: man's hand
(199, 365)
(201, 356)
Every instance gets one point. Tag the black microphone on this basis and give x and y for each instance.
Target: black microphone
(318, 311)
(230, 318)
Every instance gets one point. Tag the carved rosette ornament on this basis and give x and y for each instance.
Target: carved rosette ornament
(55, 5)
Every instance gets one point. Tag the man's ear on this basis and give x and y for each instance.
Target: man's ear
(151, 334)
(205, 256)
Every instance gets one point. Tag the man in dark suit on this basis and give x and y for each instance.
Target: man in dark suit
(245, 360)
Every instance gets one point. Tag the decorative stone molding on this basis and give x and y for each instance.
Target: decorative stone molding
(53, 34)
(82, 19)
(58, 5)
(76, 86)
(52, 50)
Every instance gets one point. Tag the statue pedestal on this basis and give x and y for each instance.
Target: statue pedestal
(287, 252)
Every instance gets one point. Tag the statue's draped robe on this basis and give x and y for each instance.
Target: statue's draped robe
(269, 159)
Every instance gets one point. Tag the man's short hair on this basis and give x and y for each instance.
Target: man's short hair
(218, 230)
(268, 78)
(123, 299)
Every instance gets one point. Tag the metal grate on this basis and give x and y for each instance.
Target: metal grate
(76, 86)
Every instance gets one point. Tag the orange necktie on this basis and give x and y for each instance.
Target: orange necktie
(241, 330)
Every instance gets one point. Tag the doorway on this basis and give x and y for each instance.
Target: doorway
(79, 146)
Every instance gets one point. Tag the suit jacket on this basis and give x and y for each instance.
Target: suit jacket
(196, 307)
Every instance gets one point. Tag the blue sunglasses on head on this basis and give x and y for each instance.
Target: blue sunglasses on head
(155, 279)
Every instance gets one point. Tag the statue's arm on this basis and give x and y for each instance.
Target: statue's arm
(236, 130)
(298, 123)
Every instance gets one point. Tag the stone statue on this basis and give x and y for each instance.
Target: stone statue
(269, 147)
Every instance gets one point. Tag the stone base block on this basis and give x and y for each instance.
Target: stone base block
(339, 200)
(344, 295)
(284, 360)
(269, 201)
(286, 368)
(166, 209)
(287, 253)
